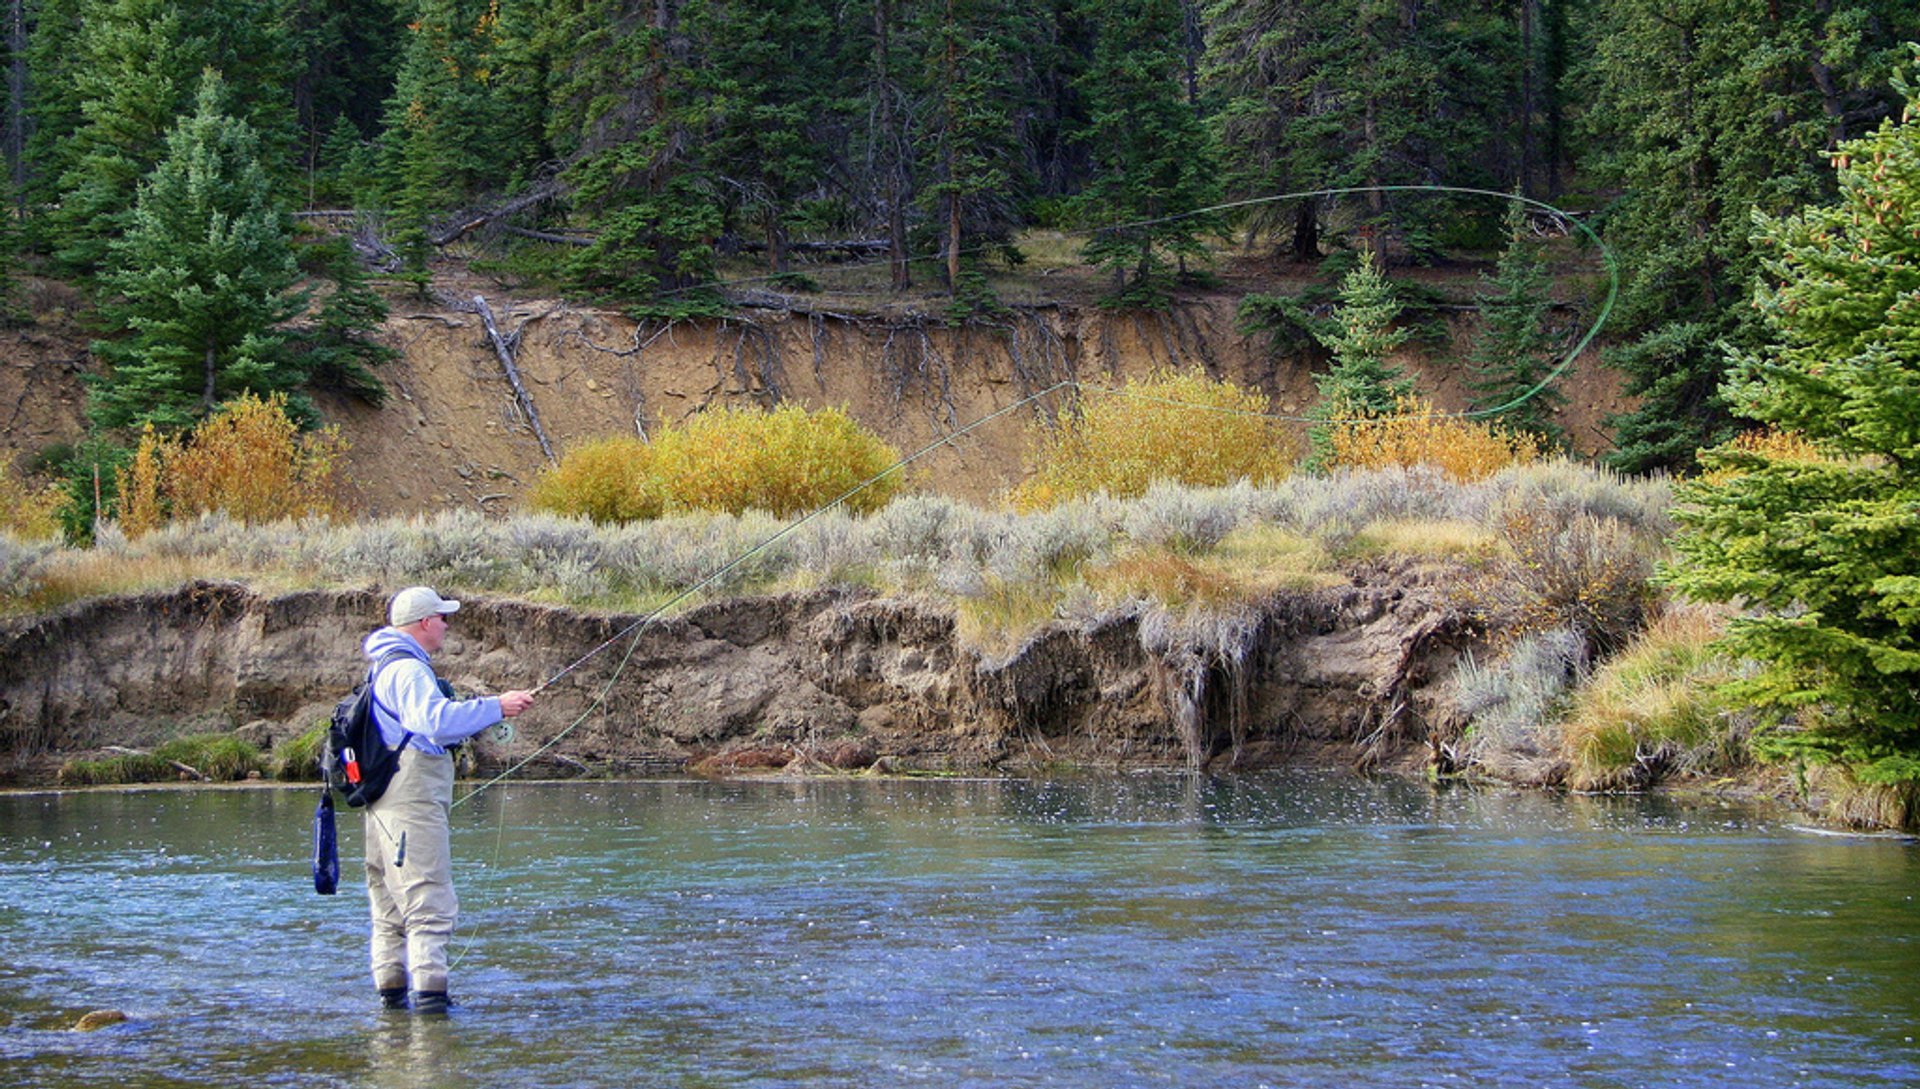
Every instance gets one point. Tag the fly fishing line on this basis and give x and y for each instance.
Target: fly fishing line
(632, 632)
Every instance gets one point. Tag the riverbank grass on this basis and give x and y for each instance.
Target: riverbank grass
(218, 757)
(1655, 710)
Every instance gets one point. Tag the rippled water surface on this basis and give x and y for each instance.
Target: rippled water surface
(1292, 930)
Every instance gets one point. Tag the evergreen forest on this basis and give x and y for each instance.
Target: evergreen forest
(169, 156)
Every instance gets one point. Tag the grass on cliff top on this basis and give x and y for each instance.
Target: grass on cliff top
(1175, 546)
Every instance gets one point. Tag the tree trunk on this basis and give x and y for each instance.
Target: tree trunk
(206, 394)
(1376, 200)
(953, 161)
(776, 244)
(892, 143)
(16, 104)
(1306, 231)
(1554, 44)
(1823, 82)
(1194, 40)
(953, 242)
(1528, 153)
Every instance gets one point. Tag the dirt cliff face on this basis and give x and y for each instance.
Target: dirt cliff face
(453, 433)
(827, 677)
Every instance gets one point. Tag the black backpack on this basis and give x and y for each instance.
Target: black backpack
(356, 761)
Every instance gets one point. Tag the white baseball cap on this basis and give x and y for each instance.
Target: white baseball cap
(417, 603)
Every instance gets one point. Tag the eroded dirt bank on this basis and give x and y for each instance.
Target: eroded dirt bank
(840, 678)
(453, 435)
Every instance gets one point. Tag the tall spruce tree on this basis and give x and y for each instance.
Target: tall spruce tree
(1819, 546)
(345, 57)
(973, 171)
(439, 145)
(1705, 111)
(1363, 382)
(202, 280)
(51, 99)
(336, 348)
(627, 118)
(763, 72)
(884, 146)
(136, 66)
(1514, 353)
(1153, 166)
(1357, 93)
(133, 63)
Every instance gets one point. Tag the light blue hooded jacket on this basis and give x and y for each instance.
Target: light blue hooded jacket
(409, 689)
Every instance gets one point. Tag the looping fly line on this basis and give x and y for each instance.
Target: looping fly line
(638, 626)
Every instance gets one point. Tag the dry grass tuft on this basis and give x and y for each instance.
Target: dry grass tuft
(1425, 538)
(999, 615)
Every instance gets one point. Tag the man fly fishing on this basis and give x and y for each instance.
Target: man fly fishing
(408, 855)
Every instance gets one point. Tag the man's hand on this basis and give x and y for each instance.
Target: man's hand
(514, 702)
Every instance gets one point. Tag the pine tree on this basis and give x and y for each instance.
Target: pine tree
(972, 163)
(132, 61)
(1325, 94)
(1707, 111)
(764, 76)
(1514, 353)
(52, 98)
(1362, 382)
(336, 349)
(346, 55)
(203, 280)
(627, 118)
(1820, 546)
(136, 69)
(1153, 165)
(446, 139)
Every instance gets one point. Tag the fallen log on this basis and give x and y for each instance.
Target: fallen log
(513, 374)
(475, 220)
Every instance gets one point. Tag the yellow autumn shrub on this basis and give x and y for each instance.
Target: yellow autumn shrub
(786, 461)
(248, 459)
(1416, 433)
(27, 512)
(1172, 426)
(607, 480)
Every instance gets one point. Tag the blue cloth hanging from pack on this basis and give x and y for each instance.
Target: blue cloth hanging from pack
(326, 847)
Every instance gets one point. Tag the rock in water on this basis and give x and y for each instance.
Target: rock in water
(98, 1019)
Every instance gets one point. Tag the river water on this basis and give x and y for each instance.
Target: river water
(1275, 930)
